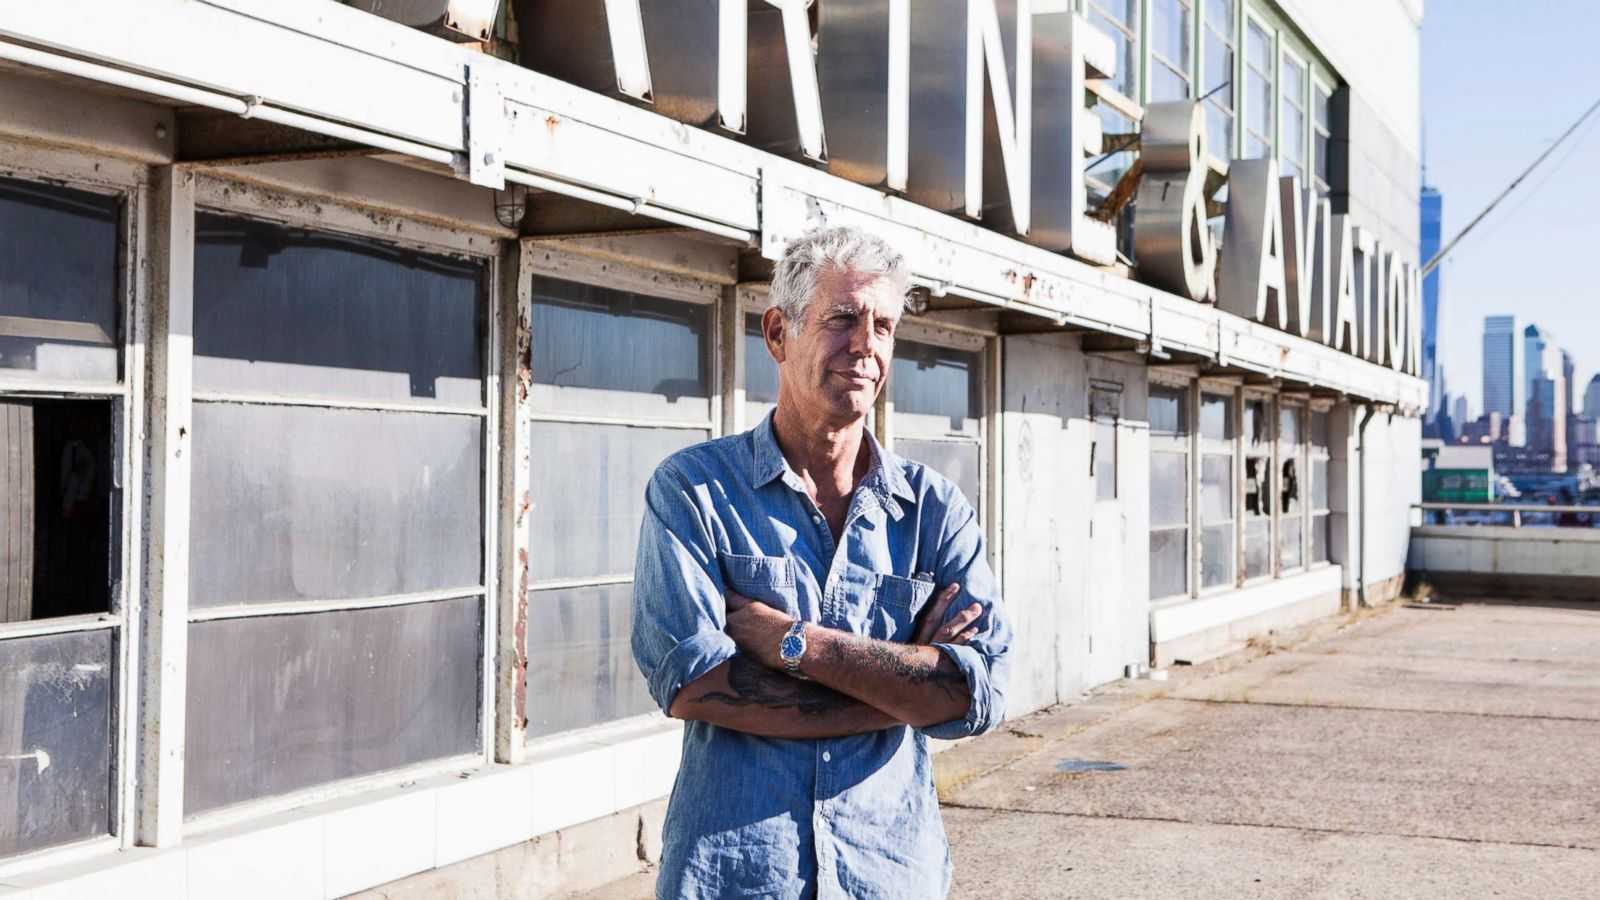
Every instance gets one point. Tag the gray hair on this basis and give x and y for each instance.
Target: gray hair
(843, 248)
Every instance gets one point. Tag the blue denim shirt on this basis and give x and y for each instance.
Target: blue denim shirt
(845, 817)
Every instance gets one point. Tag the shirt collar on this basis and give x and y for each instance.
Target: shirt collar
(886, 475)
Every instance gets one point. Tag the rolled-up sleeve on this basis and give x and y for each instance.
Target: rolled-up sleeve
(985, 661)
(678, 607)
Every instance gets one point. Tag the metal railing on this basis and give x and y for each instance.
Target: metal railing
(1515, 514)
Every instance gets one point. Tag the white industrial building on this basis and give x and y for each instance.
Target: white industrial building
(335, 353)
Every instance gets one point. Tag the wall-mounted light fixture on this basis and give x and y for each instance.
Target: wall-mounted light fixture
(458, 20)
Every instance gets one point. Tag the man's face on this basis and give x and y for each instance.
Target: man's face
(835, 367)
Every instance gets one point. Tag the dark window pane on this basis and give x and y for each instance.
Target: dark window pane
(580, 662)
(1169, 563)
(56, 525)
(600, 351)
(59, 286)
(1321, 534)
(55, 740)
(290, 311)
(936, 381)
(306, 503)
(587, 490)
(1216, 556)
(1319, 430)
(1169, 489)
(1169, 410)
(760, 371)
(959, 461)
(281, 703)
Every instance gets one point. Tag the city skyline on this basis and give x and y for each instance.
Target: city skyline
(1534, 254)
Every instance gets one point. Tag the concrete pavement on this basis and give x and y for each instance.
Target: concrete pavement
(1416, 752)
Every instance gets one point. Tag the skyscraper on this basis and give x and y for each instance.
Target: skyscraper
(1431, 207)
(1591, 398)
(1538, 360)
(1504, 391)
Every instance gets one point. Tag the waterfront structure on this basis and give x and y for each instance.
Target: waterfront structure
(359, 345)
(1504, 389)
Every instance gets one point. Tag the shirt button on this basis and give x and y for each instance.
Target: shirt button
(816, 520)
(827, 756)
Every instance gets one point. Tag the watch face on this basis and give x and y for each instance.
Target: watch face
(793, 645)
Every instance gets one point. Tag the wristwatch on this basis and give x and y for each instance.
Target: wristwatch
(792, 648)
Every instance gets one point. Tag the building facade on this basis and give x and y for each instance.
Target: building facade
(1504, 390)
(332, 386)
(1432, 209)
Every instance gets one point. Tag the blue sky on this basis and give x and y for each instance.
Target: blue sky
(1500, 81)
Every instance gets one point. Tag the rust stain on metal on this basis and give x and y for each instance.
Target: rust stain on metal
(551, 123)
(519, 631)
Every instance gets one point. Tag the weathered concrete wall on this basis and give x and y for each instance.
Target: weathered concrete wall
(1488, 561)
(1081, 613)
(1044, 440)
(1394, 484)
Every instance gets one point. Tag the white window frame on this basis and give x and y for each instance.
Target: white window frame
(1204, 30)
(891, 426)
(1184, 69)
(1235, 444)
(107, 176)
(1190, 445)
(1287, 55)
(544, 258)
(1302, 457)
(1324, 186)
(1315, 515)
(215, 193)
(1243, 53)
(1247, 395)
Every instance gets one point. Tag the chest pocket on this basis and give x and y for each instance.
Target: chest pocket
(895, 606)
(769, 579)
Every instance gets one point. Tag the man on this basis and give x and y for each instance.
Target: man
(784, 607)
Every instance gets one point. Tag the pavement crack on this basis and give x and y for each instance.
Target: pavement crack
(1398, 709)
(1310, 829)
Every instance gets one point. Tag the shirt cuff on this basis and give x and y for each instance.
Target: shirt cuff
(690, 659)
(979, 718)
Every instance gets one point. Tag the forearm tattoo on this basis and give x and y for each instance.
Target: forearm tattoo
(752, 684)
(905, 664)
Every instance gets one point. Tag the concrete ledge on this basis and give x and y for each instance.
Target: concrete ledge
(1481, 561)
(1202, 629)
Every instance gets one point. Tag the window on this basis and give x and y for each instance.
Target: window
(760, 373)
(1218, 560)
(337, 511)
(1118, 19)
(1292, 158)
(937, 393)
(1217, 85)
(1258, 500)
(1258, 100)
(1170, 38)
(1291, 502)
(1321, 131)
(621, 380)
(1105, 408)
(63, 409)
(1321, 520)
(1169, 491)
